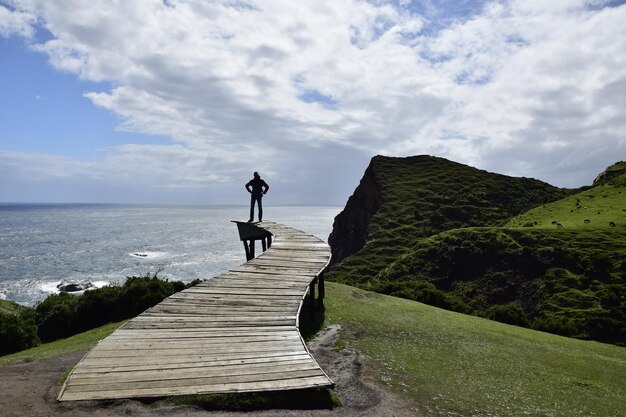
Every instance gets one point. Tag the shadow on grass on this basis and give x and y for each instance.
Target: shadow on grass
(306, 399)
(311, 318)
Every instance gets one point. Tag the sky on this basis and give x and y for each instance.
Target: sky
(178, 102)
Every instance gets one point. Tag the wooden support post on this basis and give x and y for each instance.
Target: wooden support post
(245, 246)
(252, 245)
(312, 297)
(321, 289)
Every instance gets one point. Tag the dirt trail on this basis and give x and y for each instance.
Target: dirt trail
(30, 389)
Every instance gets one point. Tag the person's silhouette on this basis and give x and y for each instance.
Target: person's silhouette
(257, 189)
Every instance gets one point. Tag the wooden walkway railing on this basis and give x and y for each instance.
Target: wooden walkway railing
(237, 332)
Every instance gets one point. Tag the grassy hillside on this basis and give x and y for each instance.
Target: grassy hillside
(560, 267)
(452, 364)
(421, 196)
(9, 307)
(588, 210)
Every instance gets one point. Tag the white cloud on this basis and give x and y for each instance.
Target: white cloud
(16, 22)
(533, 88)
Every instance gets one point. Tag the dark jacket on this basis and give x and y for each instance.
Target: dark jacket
(257, 187)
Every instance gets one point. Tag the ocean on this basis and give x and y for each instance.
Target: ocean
(42, 245)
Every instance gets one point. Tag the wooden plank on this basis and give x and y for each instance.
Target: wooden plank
(282, 263)
(101, 378)
(242, 272)
(294, 257)
(217, 297)
(194, 325)
(254, 386)
(221, 309)
(199, 381)
(175, 342)
(155, 360)
(198, 346)
(248, 291)
(283, 270)
(226, 302)
(165, 353)
(108, 368)
(251, 283)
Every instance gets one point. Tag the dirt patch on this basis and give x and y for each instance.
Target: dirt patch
(30, 389)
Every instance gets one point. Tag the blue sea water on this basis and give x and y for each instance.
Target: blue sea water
(43, 245)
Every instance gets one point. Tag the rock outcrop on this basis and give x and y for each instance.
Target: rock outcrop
(74, 286)
(350, 226)
(609, 173)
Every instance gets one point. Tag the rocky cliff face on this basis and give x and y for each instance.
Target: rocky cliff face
(350, 226)
(611, 172)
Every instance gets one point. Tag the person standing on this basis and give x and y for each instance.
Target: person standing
(257, 189)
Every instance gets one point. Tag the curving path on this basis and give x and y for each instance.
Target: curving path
(237, 332)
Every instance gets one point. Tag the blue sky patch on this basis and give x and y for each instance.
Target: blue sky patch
(314, 96)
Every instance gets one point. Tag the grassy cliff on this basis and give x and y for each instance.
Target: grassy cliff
(558, 267)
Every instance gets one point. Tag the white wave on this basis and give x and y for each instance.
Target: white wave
(148, 255)
(49, 287)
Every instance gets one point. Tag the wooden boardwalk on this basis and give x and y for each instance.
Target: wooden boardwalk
(237, 332)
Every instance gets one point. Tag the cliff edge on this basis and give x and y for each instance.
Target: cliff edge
(350, 227)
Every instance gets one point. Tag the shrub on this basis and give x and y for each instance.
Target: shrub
(508, 313)
(606, 329)
(422, 291)
(17, 331)
(56, 316)
(140, 293)
(556, 324)
(97, 307)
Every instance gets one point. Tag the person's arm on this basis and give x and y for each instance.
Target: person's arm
(267, 187)
(248, 187)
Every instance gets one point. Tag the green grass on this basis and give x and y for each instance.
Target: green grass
(10, 307)
(81, 341)
(600, 206)
(451, 364)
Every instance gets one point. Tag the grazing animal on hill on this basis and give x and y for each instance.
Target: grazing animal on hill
(587, 221)
(559, 225)
(612, 224)
(554, 222)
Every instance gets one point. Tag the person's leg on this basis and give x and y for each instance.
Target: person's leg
(260, 200)
(251, 208)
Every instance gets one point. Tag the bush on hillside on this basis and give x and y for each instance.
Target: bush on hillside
(606, 329)
(140, 293)
(509, 314)
(17, 331)
(421, 291)
(56, 315)
(557, 325)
